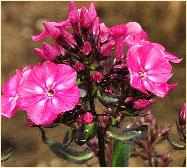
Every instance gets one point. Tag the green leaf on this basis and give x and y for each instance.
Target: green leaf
(70, 153)
(130, 135)
(7, 154)
(84, 133)
(68, 138)
(108, 101)
(175, 145)
(120, 155)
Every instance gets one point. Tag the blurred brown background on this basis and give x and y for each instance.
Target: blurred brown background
(164, 22)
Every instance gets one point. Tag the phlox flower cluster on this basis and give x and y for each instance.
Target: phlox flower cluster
(82, 44)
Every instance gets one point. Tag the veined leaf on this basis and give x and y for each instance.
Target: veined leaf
(70, 153)
(130, 135)
(120, 155)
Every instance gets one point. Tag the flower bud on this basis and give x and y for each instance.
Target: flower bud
(73, 14)
(92, 12)
(86, 48)
(84, 18)
(106, 50)
(142, 104)
(97, 76)
(78, 66)
(85, 118)
(48, 52)
(96, 28)
(182, 116)
(53, 31)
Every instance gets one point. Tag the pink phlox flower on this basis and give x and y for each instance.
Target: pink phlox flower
(149, 70)
(52, 29)
(104, 33)
(86, 48)
(142, 104)
(47, 52)
(10, 97)
(78, 66)
(97, 76)
(126, 34)
(50, 89)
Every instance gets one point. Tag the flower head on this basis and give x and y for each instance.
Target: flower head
(97, 76)
(85, 118)
(149, 70)
(49, 90)
(142, 104)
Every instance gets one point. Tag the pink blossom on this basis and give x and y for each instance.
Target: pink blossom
(92, 12)
(142, 104)
(182, 116)
(10, 97)
(85, 118)
(104, 33)
(97, 76)
(122, 35)
(48, 52)
(78, 66)
(84, 18)
(149, 70)
(96, 27)
(86, 48)
(50, 89)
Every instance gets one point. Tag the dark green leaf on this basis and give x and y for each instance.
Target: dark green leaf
(70, 153)
(108, 101)
(7, 154)
(130, 135)
(120, 155)
(68, 138)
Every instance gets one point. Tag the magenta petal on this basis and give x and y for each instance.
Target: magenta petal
(172, 58)
(136, 83)
(119, 49)
(161, 73)
(50, 51)
(133, 59)
(118, 31)
(10, 87)
(150, 57)
(8, 106)
(106, 50)
(41, 113)
(104, 32)
(65, 100)
(39, 37)
(133, 27)
(40, 53)
(92, 11)
(65, 77)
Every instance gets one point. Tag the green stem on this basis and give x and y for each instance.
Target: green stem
(100, 135)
